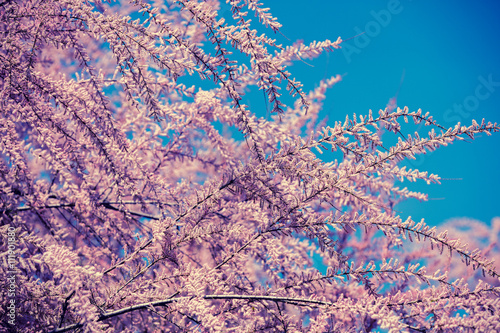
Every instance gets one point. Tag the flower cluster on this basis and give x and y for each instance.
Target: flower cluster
(135, 210)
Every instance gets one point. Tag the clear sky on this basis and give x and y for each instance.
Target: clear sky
(449, 52)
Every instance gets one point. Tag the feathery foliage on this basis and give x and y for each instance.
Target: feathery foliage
(130, 209)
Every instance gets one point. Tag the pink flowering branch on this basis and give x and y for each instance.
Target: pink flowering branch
(151, 305)
(122, 189)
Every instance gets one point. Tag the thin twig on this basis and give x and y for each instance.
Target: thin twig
(288, 300)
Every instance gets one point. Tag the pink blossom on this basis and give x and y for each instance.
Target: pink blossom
(126, 205)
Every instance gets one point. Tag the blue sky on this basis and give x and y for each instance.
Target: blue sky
(448, 51)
